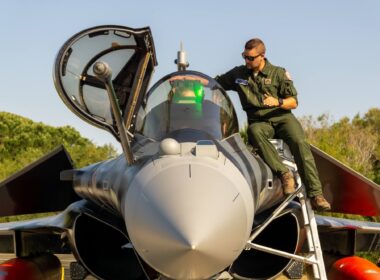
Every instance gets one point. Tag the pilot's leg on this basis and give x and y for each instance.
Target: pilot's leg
(289, 129)
(259, 134)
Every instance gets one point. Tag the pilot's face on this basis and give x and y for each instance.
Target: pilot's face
(188, 93)
(253, 59)
(184, 96)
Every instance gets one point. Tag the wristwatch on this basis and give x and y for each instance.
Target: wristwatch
(280, 102)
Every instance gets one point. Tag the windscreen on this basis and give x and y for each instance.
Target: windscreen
(187, 106)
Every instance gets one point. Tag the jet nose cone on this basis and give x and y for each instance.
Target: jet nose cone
(188, 221)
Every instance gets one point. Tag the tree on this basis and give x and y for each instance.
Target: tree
(23, 141)
(354, 142)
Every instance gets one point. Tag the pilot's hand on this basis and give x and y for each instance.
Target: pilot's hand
(270, 101)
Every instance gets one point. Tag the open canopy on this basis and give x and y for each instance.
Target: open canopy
(129, 53)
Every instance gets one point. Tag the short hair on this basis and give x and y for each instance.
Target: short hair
(255, 43)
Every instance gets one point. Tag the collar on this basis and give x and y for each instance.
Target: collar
(266, 68)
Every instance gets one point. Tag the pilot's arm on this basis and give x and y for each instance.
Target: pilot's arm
(288, 92)
(227, 80)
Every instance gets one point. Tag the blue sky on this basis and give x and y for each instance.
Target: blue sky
(331, 48)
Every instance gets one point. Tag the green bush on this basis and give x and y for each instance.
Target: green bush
(23, 141)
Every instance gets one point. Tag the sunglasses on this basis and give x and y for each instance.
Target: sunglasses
(250, 58)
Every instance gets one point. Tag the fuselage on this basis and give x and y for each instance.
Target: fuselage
(190, 198)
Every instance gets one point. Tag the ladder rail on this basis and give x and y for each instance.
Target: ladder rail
(319, 269)
(274, 215)
(315, 256)
(309, 260)
(310, 225)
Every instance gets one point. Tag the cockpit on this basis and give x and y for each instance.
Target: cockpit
(186, 106)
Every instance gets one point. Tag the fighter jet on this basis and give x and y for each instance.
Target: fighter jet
(187, 198)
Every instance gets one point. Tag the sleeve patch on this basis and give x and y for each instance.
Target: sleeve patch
(241, 82)
(287, 75)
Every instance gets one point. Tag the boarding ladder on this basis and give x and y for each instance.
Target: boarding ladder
(314, 255)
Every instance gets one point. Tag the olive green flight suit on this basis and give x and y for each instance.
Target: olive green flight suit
(265, 123)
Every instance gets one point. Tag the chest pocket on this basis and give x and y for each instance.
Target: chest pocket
(271, 89)
(249, 96)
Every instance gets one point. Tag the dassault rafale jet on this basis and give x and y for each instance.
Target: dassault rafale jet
(187, 198)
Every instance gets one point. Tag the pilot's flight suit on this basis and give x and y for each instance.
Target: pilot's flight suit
(265, 123)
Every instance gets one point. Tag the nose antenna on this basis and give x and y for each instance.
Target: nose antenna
(181, 60)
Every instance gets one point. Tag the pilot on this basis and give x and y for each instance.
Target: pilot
(189, 93)
(186, 92)
(183, 108)
(268, 95)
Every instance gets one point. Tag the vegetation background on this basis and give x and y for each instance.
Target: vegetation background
(355, 142)
(23, 141)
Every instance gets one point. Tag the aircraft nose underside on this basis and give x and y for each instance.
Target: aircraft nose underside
(191, 214)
